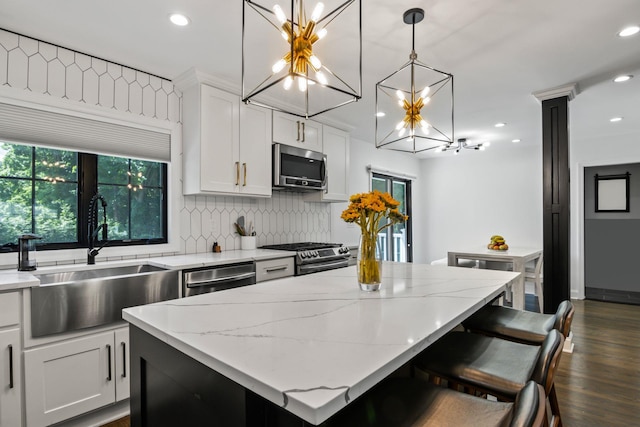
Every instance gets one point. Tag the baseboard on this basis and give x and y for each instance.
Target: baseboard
(612, 295)
(99, 417)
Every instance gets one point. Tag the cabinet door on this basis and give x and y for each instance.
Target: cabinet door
(69, 378)
(292, 130)
(220, 167)
(335, 145)
(10, 379)
(255, 151)
(121, 351)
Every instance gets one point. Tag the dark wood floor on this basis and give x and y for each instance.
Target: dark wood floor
(599, 383)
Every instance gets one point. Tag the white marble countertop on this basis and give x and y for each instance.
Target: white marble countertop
(207, 259)
(313, 343)
(13, 279)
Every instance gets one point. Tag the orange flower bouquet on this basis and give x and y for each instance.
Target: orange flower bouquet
(373, 212)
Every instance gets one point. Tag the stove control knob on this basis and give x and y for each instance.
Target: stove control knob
(316, 254)
(303, 255)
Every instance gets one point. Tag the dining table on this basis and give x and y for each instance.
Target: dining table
(301, 347)
(515, 259)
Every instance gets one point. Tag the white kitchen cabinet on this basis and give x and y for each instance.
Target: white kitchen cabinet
(222, 152)
(335, 144)
(274, 269)
(69, 378)
(296, 131)
(10, 378)
(121, 357)
(255, 151)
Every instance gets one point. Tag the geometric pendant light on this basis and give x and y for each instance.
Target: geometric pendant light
(303, 57)
(414, 105)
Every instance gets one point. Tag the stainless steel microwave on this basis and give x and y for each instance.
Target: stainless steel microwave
(298, 169)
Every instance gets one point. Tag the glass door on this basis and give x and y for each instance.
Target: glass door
(395, 241)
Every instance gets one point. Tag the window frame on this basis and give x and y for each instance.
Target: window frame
(87, 185)
(389, 180)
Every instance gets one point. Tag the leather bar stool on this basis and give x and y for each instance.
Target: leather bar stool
(520, 326)
(495, 366)
(410, 402)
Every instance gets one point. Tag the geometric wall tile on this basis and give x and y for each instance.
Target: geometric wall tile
(17, 76)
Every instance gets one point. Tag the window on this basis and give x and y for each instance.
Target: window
(47, 192)
(395, 242)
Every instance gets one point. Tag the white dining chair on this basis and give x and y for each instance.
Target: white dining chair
(535, 275)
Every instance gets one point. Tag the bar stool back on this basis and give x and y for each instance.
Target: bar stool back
(410, 402)
(520, 326)
(494, 366)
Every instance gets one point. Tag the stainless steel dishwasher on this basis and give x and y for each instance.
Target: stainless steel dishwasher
(212, 279)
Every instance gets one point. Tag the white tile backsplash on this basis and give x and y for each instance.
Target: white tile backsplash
(284, 218)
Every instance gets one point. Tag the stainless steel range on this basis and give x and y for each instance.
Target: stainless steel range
(312, 257)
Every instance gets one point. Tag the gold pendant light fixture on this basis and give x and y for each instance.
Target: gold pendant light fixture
(425, 98)
(310, 55)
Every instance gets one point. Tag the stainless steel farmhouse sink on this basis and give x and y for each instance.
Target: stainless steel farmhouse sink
(72, 300)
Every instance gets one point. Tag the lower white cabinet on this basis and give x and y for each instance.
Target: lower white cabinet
(121, 358)
(69, 378)
(274, 269)
(10, 379)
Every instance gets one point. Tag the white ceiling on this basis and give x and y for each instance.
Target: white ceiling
(500, 51)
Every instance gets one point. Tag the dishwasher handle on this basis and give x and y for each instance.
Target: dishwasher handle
(227, 279)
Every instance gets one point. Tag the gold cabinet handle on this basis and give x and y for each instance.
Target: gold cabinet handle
(237, 173)
(244, 167)
(303, 131)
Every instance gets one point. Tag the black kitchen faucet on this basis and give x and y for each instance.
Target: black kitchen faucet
(92, 251)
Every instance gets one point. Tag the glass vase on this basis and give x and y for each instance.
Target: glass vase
(369, 263)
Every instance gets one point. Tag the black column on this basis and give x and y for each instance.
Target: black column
(555, 165)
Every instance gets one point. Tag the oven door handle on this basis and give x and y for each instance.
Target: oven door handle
(312, 268)
(200, 283)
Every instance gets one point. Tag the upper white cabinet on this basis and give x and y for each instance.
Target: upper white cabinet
(296, 131)
(226, 145)
(335, 144)
(255, 150)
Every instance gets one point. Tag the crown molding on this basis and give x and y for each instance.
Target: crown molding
(570, 90)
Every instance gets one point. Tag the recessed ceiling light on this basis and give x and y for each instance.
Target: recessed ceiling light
(615, 119)
(629, 31)
(179, 19)
(623, 78)
(515, 140)
(500, 125)
(380, 114)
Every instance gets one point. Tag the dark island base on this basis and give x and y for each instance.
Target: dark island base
(171, 389)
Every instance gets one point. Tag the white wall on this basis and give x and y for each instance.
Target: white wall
(363, 154)
(466, 198)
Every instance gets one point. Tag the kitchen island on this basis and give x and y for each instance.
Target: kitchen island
(304, 346)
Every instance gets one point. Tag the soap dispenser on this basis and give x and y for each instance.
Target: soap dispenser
(27, 252)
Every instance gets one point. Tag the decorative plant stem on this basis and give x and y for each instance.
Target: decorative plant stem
(369, 264)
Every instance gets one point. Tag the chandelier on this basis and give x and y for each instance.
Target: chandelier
(310, 64)
(421, 97)
(462, 143)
